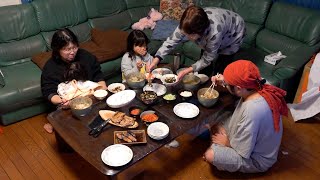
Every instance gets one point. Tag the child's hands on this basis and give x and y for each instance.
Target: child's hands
(139, 64)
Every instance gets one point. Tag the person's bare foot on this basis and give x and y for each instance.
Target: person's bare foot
(48, 127)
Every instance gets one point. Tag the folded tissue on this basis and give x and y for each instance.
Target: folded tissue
(274, 58)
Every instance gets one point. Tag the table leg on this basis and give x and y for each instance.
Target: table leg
(62, 145)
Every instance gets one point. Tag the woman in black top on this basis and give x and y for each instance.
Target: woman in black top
(65, 51)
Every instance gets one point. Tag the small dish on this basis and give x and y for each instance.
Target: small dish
(149, 116)
(203, 78)
(116, 87)
(148, 97)
(135, 111)
(169, 79)
(139, 135)
(158, 88)
(117, 155)
(170, 97)
(185, 94)
(159, 72)
(158, 130)
(100, 94)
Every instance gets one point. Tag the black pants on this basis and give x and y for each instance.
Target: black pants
(218, 67)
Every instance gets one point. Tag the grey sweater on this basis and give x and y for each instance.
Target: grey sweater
(129, 65)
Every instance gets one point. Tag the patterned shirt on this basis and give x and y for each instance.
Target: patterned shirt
(224, 36)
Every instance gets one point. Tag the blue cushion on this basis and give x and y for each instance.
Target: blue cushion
(164, 29)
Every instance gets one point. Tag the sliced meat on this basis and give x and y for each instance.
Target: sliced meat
(117, 117)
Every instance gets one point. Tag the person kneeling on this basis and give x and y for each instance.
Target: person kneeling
(249, 140)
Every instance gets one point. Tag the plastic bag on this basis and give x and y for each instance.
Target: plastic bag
(274, 58)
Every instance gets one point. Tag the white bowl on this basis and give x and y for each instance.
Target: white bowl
(158, 130)
(158, 88)
(113, 86)
(204, 78)
(100, 94)
(164, 77)
(121, 98)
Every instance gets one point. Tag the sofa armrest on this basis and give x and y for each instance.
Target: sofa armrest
(294, 62)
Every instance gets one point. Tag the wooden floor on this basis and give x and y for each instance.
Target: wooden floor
(28, 152)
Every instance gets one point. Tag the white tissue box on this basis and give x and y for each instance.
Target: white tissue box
(274, 58)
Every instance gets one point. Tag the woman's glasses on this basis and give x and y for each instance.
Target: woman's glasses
(70, 49)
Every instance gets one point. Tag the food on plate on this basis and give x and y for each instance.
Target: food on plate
(210, 95)
(135, 79)
(169, 97)
(135, 111)
(150, 117)
(148, 95)
(127, 136)
(170, 79)
(186, 93)
(117, 89)
(121, 119)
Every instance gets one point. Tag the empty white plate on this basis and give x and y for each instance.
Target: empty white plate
(117, 155)
(186, 110)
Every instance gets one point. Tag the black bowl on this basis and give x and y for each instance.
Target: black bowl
(182, 93)
(168, 98)
(135, 107)
(148, 97)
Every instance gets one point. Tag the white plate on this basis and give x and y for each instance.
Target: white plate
(159, 72)
(117, 155)
(121, 98)
(204, 78)
(163, 78)
(112, 86)
(158, 130)
(186, 110)
(158, 88)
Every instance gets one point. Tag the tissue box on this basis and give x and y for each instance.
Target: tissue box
(274, 58)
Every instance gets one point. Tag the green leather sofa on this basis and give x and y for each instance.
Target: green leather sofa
(27, 29)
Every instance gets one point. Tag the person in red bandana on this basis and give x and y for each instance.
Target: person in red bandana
(249, 140)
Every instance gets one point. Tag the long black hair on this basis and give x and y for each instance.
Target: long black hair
(60, 39)
(136, 38)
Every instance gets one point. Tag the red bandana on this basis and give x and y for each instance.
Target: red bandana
(245, 74)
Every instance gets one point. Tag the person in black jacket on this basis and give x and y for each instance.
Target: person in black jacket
(66, 51)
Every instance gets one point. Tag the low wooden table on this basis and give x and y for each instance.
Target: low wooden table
(74, 132)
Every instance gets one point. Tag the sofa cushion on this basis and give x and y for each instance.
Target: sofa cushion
(19, 28)
(22, 86)
(113, 42)
(54, 14)
(101, 8)
(82, 31)
(302, 24)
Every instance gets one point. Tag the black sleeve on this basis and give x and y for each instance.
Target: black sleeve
(49, 83)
